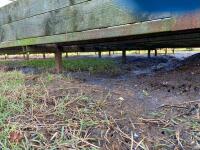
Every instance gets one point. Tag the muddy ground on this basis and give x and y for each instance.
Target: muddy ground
(145, 82)
(165, 86)
(149, 83)
(145, 85)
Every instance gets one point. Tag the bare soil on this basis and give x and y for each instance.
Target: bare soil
(147, 86)
(144, 86)
(149, 83)
(153, 104)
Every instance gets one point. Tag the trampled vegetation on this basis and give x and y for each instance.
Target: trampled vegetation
(50, 111)
(92, 65)
(56, 112)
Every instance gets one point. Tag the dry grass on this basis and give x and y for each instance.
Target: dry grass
(55, 112)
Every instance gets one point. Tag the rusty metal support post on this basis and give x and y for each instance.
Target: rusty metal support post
(99, 54)
(166, 51)
(27, 56)
(156, 52)
(58, 60)
(149, 53)
(6, 56)
(109, 53)
(66, 55)
(124, 61)
(173, 50)
(44, 56)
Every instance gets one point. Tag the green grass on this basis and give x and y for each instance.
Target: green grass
(54, 112)
(92, 65)
(11, 103)
(21, 103)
